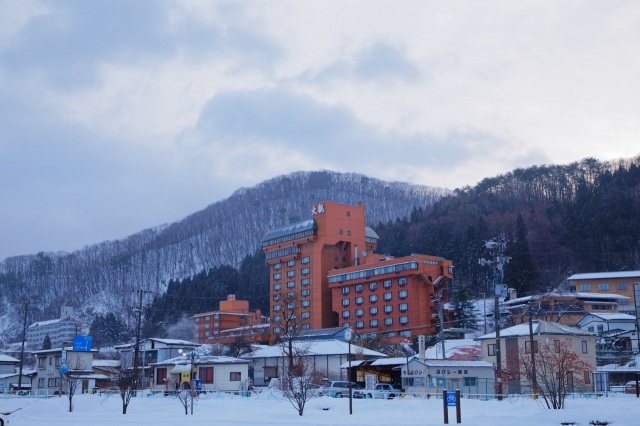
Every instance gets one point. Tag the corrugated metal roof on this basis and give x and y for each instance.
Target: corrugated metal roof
(294, 228)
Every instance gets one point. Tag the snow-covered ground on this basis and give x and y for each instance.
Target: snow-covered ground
(265, 409)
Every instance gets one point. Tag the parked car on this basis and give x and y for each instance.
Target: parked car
(312, 390)
(380, 390)
(630, 387)
(337, 389)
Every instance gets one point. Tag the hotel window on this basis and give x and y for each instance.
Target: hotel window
(276, 330)
(277, 266)
(340, 232)
(346, 314)
(291, 263)
(277, 276)
(373, 298)
(305, 327)
(349, 233)
(305, 315)
(291, 284)
(388, 309)
(348, 213)
(291, 274)
(305, 292)
(403, 307)
(373, 323)
(359, 324)
(305, 281)
(305, 271)
(235, 376)
(402, 294)
(584, 347)
(387, 296)
(491, 349)
(345, 290)
(404, 320)
(216, 324)
(359, 312)
(386, 283)
(276, 308)
(388, 321)
(402, 281)
(373, 286)
(622, 286)
(291, 295)
(305, 260)
(359, 288)
(359, 300)
(603, 287)
(305, 303)
(291, 305)
(585, 287)
(373, 310)
(276, 319)
(345, 302)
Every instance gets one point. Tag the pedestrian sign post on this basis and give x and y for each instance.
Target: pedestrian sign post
(451, 399)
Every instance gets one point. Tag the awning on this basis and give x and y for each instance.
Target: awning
(180, 368)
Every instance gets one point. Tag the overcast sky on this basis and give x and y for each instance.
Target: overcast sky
(116, 116)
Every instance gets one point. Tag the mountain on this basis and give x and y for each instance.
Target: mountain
(104, 277)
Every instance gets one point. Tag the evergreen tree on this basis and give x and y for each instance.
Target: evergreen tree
(46, 344)
(520, 272)
(465, 314)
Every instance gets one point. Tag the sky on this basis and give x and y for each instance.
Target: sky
(124, 115)
(269, 409)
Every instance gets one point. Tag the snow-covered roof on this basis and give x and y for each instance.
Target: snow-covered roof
(168, 342)
(202, 360)
(54, 321)
(604, 275)
(313, 347)
(611, 316)
(453, 362)
(455, 349)
(105, 363)
(539, 327)
(8, 359)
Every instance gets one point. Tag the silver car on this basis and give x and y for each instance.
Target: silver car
(337, 389)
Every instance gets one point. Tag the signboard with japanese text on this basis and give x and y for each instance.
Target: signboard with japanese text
(82, 343)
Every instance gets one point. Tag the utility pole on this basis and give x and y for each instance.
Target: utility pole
(24, 336)
(136, 352)
(440, 317)
(534, 380)
(496, 249)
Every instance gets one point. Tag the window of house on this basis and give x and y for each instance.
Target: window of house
(291, 284)
(388, 321)
(386, 283)
(359, 312)
(305, 271)
(402, 281)
(305, 281)
(235, 376)
(53, 382)
(345, 302)
(277, 276)
(373, 286)
(277, 330)
(305, 303)
(346, 314)
(359, 300)
(359, 288)
(57, 362)
(603, 287)
(402, 294)
(345, 290)
(277, 266)
(305, 260)
(373, 310)
(42, 362)
(291, 274)
(359, 324)
(387, 296)
(622, 286)
(470, 381)
(305, 315)
(491, 349)
(373, 323)
(585, 347)
(277, 287)
(403, 307)
(585, 287)
(388, 309)
(206, 374)
(291, 263)
(527, 346)
(305, 292)
(587, 377)
(41, 382)
(404, 320)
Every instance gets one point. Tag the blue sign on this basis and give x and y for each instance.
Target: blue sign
(199, 385)
(451, 399)
(82, 343)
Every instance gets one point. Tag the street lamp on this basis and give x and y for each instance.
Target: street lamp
(348, 336)
(192, 355)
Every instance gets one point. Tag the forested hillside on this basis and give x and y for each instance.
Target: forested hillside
(103, 277)
(557, 220)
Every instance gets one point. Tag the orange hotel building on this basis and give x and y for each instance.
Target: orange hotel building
(325, 269)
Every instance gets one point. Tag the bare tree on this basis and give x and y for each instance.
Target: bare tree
(183, 392)
(125, 381)
(70, 380)
(557, 370)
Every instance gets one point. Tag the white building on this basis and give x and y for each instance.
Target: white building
(61, 331)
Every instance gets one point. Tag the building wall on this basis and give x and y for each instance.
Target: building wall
(59, 331)
(328, 365)
(48, 365)
(604, 284)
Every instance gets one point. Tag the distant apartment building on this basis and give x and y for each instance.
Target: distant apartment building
(60, 331)
(326, 271)
(232, 314)
(620, 283)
